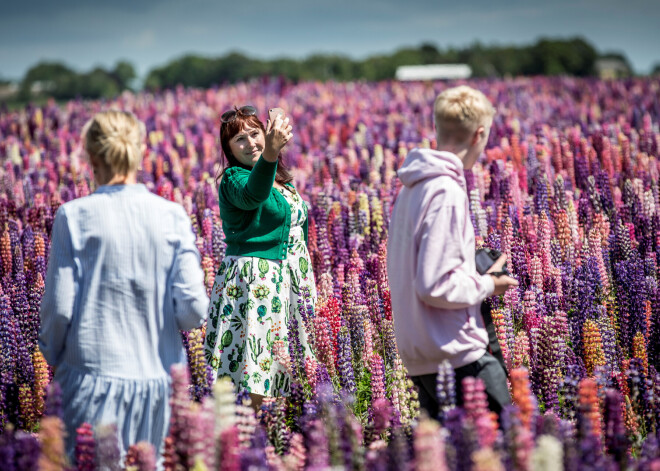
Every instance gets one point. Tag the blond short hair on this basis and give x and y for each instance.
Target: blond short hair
(459, 111)
(116, 137)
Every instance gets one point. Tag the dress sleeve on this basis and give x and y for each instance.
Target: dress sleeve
(248, 191)
(61, 288)
(444, 278)
(188, 292)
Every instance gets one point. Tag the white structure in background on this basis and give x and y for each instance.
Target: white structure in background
(433, 72)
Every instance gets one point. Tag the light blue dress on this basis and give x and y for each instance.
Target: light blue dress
(123, 277)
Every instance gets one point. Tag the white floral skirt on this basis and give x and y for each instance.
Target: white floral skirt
(252, 302)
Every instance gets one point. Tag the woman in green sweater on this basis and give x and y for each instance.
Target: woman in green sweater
(266, 276)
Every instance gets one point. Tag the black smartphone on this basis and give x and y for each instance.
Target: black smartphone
(485, 258)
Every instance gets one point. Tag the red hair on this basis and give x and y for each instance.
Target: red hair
(230, 129)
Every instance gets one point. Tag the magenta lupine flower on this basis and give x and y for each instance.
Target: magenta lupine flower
(85, 448)
(324, 345)
(531, 318)
(229, 459)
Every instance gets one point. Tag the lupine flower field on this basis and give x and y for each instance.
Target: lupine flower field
(568, 189)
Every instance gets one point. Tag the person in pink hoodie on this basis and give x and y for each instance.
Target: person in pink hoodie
(435, 288)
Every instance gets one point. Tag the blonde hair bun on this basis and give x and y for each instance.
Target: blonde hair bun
(116, 137)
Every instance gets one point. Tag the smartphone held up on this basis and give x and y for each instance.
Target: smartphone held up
(274, 112)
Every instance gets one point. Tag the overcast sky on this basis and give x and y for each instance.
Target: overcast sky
(148, 33)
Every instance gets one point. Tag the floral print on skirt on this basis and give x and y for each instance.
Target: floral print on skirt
(251, 304)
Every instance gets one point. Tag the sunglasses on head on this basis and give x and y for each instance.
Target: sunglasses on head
(229, 116)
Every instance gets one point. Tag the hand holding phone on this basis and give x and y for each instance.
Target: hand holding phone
(278, 133)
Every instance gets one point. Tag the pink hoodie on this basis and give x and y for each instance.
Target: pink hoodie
(436, 290)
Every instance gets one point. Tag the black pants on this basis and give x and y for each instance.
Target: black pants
(487, 368)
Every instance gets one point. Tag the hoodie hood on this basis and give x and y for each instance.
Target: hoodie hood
(421, 164)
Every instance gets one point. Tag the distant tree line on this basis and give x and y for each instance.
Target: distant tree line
(546, 57)
(574, 56)
(59, 81)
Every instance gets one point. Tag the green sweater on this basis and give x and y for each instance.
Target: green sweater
(256, 218)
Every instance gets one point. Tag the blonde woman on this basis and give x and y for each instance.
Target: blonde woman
(123, 277)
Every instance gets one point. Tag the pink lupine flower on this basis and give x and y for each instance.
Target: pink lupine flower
(377, 376)
(429, 446)
(310, 371)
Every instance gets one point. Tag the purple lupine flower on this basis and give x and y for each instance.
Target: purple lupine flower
(605, 192)
(541, 195)
(295, 350)
(353, 313)
(650, 452)
(322, 375)
(399, 449)
(53, 407)
(518, 441)
(548, 424)
(273, 417)
(616, 440)
(254, 457)
(389, 341)
(608, 338)
(27, 448)
(345, 361)
(631, 297)
(27, 243)
(107, 448)
(551, 350)
(461, 440)
(8, 342)
(16, 252)
(7, 449)
(569, 391)
(217, 242)
(445, 390)
(641, 396)
(323, 260)
(242, 396)
(306, 314)
(316, 442)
